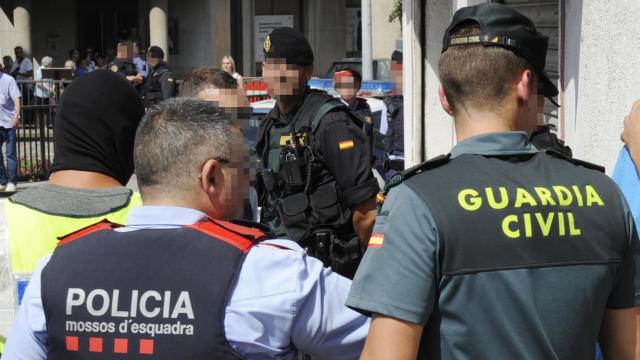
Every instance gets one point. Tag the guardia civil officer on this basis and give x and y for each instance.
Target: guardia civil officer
(160, 83)
(178, 282)
(317, 185)
(498, 250)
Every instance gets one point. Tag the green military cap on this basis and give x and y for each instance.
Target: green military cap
(507, 28)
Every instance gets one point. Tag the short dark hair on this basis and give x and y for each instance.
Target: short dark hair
(72, 51)
(175, 138)
(17, 48)
(203, 78)
(477, 75)
(156, 52)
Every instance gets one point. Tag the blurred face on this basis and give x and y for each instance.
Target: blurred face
(225, 98)
(89, 54)
(395, 73)
(232, 179)
(347, 87)
(125, 51)
(227, 65)
(284, 79)
(152, 61)
(19, 53)
(75, 55)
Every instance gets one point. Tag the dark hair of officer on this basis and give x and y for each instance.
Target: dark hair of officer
(484, 82)
(203, 78)
(155, 52)
(170, 130)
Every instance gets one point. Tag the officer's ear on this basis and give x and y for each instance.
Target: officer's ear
(444, 101)
(207, 178)
(524, 86)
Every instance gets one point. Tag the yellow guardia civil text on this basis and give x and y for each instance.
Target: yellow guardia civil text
(546, 223)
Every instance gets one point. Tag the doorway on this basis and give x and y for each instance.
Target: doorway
(102, 24)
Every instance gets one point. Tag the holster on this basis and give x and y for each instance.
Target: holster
(342, 255)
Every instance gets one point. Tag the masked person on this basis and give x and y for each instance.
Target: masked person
(93, 137)
(179, 282)
(499, 250)
(316, 181)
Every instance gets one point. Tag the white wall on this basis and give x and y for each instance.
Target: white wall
(384, 34)
(438, 125)
(601, 72)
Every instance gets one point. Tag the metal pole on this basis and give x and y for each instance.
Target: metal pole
(367, 50)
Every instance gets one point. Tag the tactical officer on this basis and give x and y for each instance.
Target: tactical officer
(178, 282)
(499, 250)
(394, 119)
(347, 83)
(316, 184)
(160, 84)
(123, 64)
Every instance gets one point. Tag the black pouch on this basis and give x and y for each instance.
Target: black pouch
(326, 208)
(292, 211)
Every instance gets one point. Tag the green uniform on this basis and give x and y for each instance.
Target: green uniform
(502, 252)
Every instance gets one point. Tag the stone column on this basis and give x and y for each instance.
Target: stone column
(159, 25)
(22, 24)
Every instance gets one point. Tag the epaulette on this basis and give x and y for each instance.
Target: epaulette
(588, 165)
(398, 178)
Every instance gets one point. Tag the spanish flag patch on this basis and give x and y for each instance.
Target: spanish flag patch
(346, 145)
(376, 240)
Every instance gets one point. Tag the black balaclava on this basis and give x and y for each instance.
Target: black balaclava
(96, 124)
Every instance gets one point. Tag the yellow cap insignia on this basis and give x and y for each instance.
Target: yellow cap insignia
(114, 68)
(171, 79)
(267, 44)
(368, 119)
(345, 145)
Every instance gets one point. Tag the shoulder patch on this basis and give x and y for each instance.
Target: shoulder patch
(284, 245)
(100, 226)
(398, 178)
(239, 236)
(574, 161)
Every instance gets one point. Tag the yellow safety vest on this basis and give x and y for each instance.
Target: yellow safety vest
(32, 235)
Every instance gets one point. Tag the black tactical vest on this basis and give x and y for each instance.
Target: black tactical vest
(318, 203)
(395, 117)
(159, 293)
(312, 212)
(503, 213)
(153, 86)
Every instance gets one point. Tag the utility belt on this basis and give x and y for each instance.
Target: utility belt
(311, 213)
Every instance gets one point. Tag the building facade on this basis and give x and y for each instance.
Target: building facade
(193, 33)
(593, 55)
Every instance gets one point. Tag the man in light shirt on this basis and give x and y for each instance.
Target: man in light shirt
(9, 121)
